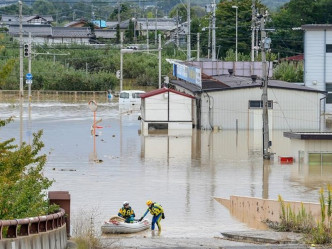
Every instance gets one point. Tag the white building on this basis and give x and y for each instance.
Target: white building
(166, 109)
(229, 102)
(318, 59)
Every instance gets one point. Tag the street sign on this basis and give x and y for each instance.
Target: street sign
(28, 81)
(93, 105)
(28, 76)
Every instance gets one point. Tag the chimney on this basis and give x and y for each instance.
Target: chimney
(230, 71)
(253, 78)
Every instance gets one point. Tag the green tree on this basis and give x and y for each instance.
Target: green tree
(43, 7)
(130, 31)
(295, 14)
(226, 30)
(22, 184)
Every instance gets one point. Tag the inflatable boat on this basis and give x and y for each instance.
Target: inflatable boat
(117, 225)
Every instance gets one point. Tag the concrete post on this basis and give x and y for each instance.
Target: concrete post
(62, 198)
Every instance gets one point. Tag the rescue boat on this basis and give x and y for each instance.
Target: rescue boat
(117, 225)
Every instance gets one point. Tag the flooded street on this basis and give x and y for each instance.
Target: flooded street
(181, 172)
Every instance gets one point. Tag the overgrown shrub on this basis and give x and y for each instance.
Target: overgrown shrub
(22, 183)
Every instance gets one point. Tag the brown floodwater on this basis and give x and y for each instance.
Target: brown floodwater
(181, 172)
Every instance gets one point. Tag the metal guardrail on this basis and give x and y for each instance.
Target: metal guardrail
(34, 225)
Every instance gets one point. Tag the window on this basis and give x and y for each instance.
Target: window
(329, 93)
(258, 104)
(136, 95)
(328, 48)
(124, 95)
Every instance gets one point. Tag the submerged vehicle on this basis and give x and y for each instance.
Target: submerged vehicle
(130, 97)
(117, 225)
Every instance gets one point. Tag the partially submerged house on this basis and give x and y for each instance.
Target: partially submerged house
(232, 102)
(166, 109)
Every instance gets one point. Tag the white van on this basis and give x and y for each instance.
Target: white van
(130, 97)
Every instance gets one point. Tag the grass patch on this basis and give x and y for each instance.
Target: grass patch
(303, 222)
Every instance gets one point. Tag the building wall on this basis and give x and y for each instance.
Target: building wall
(60, 40)
(156, 108)
(292, 110)
(314, 59)
(180, 107)
(318, 63)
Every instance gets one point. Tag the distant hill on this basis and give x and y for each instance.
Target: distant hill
(274, 4)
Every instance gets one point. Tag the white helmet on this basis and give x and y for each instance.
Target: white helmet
(125, 203)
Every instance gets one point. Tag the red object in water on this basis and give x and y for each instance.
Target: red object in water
(286, 159)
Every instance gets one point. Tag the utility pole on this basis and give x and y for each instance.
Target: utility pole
(214, 31)
(198, 46)
(209, 40)
(159, 53)
(21, 73)
(155, 28)
(188, 32)
(177, 28)
(265, 45)
(121, 62)
(21, 49)
(119, 16)
(147, 34)
(29, 64)
(253, 26)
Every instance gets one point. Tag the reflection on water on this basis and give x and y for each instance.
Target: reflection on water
(181, 172)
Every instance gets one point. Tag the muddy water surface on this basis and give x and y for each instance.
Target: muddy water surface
(181, 172)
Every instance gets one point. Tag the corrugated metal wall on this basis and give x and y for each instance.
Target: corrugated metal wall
(314, 59)
(292, 110)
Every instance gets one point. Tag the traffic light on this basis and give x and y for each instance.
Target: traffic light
(26, 50)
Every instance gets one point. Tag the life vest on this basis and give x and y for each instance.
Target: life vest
(156, 209)
(126, 212)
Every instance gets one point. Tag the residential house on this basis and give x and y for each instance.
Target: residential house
(318, 59)
(46, 34)
(232, 102)
(34, 19)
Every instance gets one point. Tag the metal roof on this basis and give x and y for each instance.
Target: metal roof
(317, 27)
(164, 90)
(227, 82)
(309, 135)
(71, 32)
(36, 30)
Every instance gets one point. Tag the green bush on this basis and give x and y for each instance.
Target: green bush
(289, 71)
(22, 184)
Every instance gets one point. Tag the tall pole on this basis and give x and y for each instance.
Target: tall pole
(159, 53)
(155, 28)
(188, 32)
(119, 10)
(147, 34)
(121, 62)
(21, 49)
(214, 31)
(236, 9)
(209, 40)
(29, 65)
(253, 11)
(177, 27)
(21, 73)
(266, 139)
(198, 46)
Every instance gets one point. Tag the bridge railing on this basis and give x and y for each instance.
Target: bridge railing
(24, 227)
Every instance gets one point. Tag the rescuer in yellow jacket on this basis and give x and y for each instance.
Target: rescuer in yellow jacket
(158, 213)
(127, 212)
